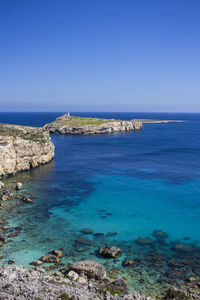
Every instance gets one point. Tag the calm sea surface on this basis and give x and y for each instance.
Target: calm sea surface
(128, 184)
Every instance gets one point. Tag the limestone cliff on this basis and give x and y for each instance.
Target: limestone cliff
(22, 148)
(78, 125)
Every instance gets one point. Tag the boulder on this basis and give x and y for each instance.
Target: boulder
(91, 269)
(19, 186)
(50, 259)
(2, 185)
(109, 251)
(72, 275)
(59, 253)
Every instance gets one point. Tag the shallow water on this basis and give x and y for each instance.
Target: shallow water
(130, 184)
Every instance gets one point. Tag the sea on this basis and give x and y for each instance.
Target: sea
(136, 190)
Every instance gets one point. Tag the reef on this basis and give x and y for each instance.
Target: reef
(22, 148)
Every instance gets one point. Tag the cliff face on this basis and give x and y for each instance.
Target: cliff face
(22, 148)
(83, 126)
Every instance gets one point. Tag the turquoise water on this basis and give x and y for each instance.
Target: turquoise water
(129, 184)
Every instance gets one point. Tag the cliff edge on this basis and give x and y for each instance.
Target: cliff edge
(22, 148)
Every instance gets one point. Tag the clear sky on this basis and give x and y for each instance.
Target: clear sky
(100, 55)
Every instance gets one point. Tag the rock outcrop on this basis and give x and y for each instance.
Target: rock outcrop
(18, 283)
(84, 126)
(22, 148)
(90, 268)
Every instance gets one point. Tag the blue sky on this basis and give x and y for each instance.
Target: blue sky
(100, 55)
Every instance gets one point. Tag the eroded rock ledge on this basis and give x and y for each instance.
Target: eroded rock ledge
(22, 148)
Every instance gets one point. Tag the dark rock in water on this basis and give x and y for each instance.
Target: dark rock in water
(59, 253)
(186, 238)
(184, 248)
(36, 263)
(109, 251)
(99, 234)
(13, 234)
(3, 238)
(50, 259)
(159, 234)
(27, 200)
(111, 233)
(91, 269)
(144, 241)
(176, 264)
(128, 262)
(109, 214)
(87, 230)
(10, 262)
(175, 274)
(19, 186)
(118, 286)
(84, 241)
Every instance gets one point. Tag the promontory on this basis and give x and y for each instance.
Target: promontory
(22, 148)
(75, 125)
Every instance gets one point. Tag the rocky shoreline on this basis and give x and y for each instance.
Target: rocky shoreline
(21, 283)
(22, 148)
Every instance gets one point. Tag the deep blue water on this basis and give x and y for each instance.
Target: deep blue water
(130, 183)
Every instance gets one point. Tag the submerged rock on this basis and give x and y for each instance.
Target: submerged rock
(84, 241)
(91, 269)
(184, 248)
(110, 251)
(144, 241)
(159, 234)
(87, 230)
(128, 262)
(111, 233)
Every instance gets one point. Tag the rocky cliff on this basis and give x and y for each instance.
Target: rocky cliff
(22, 148)
(78, 125)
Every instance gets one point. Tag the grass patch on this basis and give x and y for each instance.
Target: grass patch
(30, 134)
(76, 121)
